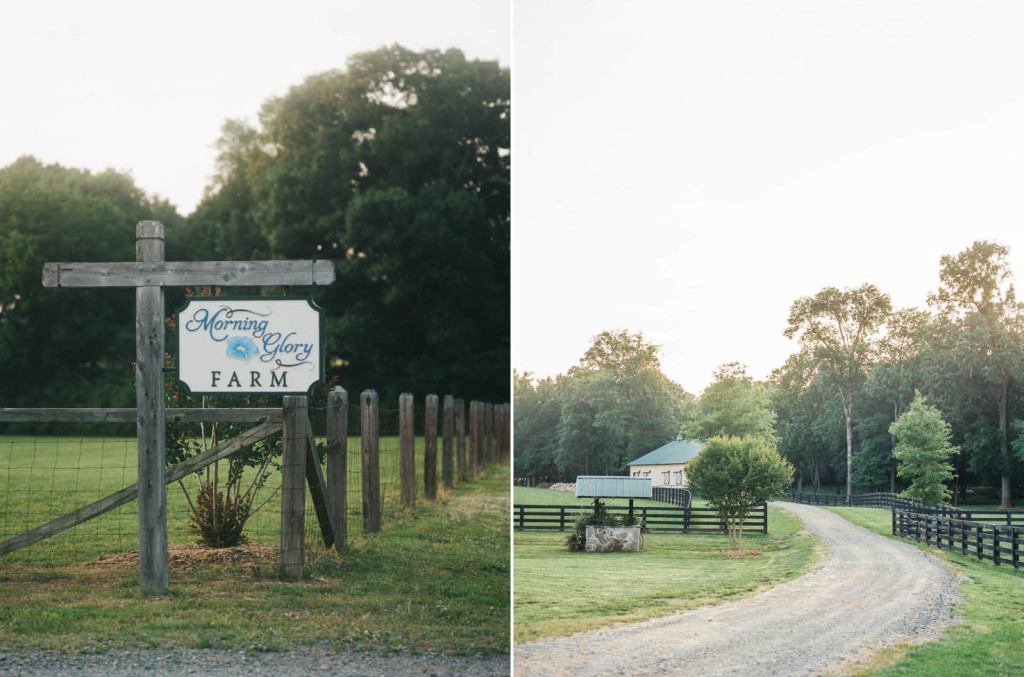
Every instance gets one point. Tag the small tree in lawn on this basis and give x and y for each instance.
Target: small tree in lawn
(923, 451)
(735, 475)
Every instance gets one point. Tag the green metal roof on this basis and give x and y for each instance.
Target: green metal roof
(678, 451)
(599, 486)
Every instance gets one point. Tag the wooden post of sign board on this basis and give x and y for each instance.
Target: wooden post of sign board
(371, 460)
(149, 413)
(148, 275)
(337, 462)
(430, 447)
(406, 450)
(448, 429)
(293, 485)
(460, 438)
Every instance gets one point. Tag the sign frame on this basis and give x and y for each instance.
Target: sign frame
(321, 332)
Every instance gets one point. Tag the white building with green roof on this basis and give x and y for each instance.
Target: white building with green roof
(666, 465)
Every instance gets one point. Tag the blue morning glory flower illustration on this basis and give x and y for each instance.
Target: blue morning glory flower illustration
(242, 348)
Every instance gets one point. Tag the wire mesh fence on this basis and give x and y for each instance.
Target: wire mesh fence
(46, 477)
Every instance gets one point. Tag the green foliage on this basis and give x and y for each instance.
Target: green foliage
(67, 347)
(735, 474)
(612, 407)
(733, 405)
(923, 452)
(598, 517)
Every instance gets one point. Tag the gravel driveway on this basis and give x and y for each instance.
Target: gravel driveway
(868, 592)
(318, 659)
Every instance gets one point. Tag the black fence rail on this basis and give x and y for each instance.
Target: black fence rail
(877, 499)
(672, 495)
(655, 519)
(1000, 544)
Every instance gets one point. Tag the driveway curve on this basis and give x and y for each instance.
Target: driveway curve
(868, 592)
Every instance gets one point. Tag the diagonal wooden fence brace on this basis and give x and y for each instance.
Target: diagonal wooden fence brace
(318, 491)
(129, 494)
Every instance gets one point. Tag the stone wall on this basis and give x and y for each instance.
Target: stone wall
(614, 539)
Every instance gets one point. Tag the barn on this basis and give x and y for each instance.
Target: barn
(666, 465)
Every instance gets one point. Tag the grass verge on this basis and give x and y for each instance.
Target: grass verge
(559, 592)
(987, 640)
(436, 578)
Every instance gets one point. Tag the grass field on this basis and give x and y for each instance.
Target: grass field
(533, 496)
(436, 578)
(988, 640)
(558, 592)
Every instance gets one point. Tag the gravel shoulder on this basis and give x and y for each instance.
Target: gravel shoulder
(319, 659)
(867, 593)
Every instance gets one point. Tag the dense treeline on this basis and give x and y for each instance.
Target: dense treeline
(612, 407)
(397, 169)
(830, 407)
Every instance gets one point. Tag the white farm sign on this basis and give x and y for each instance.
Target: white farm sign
(250, 345)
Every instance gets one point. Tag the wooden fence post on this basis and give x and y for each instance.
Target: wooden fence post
(293, 486)
(337, 462)
(474, 441)
(448, 430)
(460, 438)
(370, 435)
(430, 447)
(407, 449)
(149, 412)
(491, 452)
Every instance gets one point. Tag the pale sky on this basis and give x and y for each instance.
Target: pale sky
(689, 169)
(145, 87)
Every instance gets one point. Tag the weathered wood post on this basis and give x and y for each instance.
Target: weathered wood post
(474, 437)
(448, 430)
(293, 486)
(150, 403)
(460, 438)
(406, 450)
(337, 462)
(430, 447)
(371, 460)
(490, 445)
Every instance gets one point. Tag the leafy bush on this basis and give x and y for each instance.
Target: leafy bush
(598, 517)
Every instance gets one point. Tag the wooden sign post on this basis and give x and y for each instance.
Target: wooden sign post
(149, 275)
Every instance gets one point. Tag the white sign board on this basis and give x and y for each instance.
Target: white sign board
(250, 345)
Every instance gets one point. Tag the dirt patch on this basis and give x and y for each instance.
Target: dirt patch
(189, 555)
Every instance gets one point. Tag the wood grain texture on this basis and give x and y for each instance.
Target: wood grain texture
(337, 461)
(406, 450)
(293, 478)
(447, 446)
(188, 273)
(127, 415)
(370, 436)
(460, 439)
(430, 447)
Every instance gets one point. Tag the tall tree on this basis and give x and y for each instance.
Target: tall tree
(398, 169)
(976, 293)
(733, 404)
(840, 328)
(924, 451)
(67, 347)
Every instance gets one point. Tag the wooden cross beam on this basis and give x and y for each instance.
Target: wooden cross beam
(149, 275)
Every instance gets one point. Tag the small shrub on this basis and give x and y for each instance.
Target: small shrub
(598, 517)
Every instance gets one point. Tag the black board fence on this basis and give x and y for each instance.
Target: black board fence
(876, 499)
(997, 543)
(675, 519)
(672, 496)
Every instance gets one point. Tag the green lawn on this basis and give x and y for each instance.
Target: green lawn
(533, 496)
(558, 592)
(988, 640)
(436, 578)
